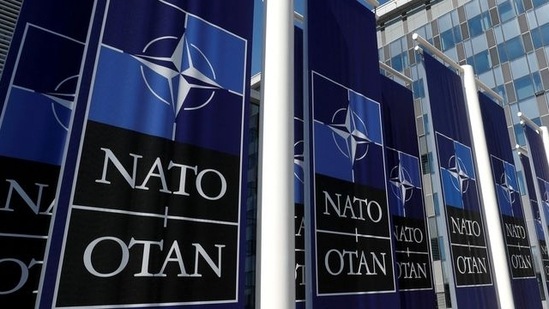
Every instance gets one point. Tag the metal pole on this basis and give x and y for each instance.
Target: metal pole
(488, 192)
(275, 285)
(528, 122)
(396, 73)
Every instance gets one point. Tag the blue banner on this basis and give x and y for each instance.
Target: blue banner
(537, 214)
(470, 259)
(405, 194)
(152, 202)
(538, 176)
(37, 90)
(299, 170)
(515, 232)
(352, 260)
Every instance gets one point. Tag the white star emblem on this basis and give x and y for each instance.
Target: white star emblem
(508, 188)
(400, 179)
(63, 97)
(180, 72)
(353, 132)
(459, 174)
(299, 161)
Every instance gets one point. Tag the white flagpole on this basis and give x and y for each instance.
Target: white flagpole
(488, 192)
(545, 138)
(275, 284)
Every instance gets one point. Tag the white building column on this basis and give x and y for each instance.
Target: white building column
(275, 284)
(487, 192)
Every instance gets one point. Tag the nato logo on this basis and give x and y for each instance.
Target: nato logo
(348, 135)
(183, 80)
(457, 173)
(39, 102)
(544, 191)
(506, 188)
(299, 161)
(404, 182)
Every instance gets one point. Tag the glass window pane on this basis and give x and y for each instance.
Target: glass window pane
(472, 9)
(498, 75)
(500, 90)
(486, 21)
(479, 43)
(532, 20)
(445, 22)
(533, 62)
(502, 53)
(510, 29)
(395, 47)
(519, 67)
(447, 39)
(542, 13)
(418, 88)
(457, 34)
(482, 62)
(475, 26)
(519, 6)
(538, 85)
(487, 78)
(468, 48)
(506, 11)
(544, 35)
(530, 109)
(524, 87)
(538, 3)
(515, 48)
(519, 134)
(546, 49)
(499, 34)
(400, 61)
(536, 38)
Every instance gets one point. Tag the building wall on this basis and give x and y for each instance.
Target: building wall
(506, 42)
(9, 11)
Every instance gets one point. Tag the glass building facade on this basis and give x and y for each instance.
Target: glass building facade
(9, 11)
(507, 44)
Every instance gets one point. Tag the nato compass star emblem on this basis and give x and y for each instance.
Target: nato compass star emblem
(401, 181)
(350, 134)
(546, 199)
(459, 173)
(299, 156)
(63, 99)
(508, 188)
(182, 75)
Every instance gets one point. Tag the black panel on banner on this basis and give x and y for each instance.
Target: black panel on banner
(164, 175)
(27, 195)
